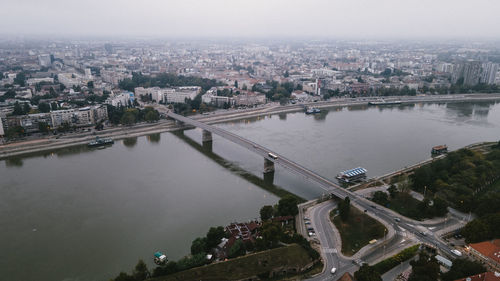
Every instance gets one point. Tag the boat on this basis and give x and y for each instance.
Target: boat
(384, 102)
(439, 149)
(352, 175)
(312, 110)
(159, 258)
(100, 141)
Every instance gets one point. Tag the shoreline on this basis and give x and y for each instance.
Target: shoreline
(12, 150)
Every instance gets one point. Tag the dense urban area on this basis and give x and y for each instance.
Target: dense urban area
(436, 220)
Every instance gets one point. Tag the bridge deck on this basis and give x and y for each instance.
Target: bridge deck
(324, 183)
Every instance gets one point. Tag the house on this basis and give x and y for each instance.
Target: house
(346, 277)
(487, 276)
(487, 252)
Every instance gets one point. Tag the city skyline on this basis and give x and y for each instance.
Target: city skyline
(388, 19)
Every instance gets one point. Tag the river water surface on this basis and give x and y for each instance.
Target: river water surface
(80, 214)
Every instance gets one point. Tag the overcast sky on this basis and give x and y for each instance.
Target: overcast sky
(461, 19)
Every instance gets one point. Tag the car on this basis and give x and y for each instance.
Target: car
(307, 222)
(373, 206)
(333, 270)
(397, 219)
(456, 252)
(311, 233)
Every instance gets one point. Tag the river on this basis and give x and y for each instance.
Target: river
(80, 214)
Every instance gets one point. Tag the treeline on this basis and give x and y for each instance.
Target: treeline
(459, 177)
(166, 80)
(277, 91)
(129, 116)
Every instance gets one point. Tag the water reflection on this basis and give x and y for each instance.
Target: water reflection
(14, 162)
(130, 142)
(154, 138)
(265, 183)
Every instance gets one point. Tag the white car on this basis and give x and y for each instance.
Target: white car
(333, 270)
(456, 252)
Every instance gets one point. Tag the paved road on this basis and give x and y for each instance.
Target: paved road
(380, 213)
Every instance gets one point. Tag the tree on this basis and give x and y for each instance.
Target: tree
(393, 191)
(287, 206)
(381, 198)
(169, 268)
(214, 235)
(266, 212)
(270, 234)
(462, 268)
(236, 83)
(14, 132)
(141, 271)
(26, 108)
(90, 84)
(367, 273)
(18, 109)
(124, 277)
(44, 107)
(152, 115)
(199, 245)
(425, 268)
(344, 208)
(238, 249)
(476, 231)
(20, 79)
(43, 127)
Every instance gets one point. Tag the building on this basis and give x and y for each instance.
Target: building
(487, 276)
(60, 117)
(44, 60)
(182, 93)
(487, 252)
(33, 81)
(2, 133)
(249, 99)
(470, 71)
(121, 99)
(31, 123)
(68, 79)
(489, 73)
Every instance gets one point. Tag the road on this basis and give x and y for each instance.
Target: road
(381, 213)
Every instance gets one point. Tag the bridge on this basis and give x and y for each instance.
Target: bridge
(269, 161)
(322, 182)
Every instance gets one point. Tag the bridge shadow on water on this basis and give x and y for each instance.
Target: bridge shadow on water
(265, 183)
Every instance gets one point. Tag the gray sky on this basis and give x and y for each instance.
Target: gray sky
(257, 18)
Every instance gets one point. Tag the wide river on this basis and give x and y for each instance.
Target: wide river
(80, 214)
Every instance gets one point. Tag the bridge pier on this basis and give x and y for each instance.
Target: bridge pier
(268, 166)
(206, 140)
(206, 136)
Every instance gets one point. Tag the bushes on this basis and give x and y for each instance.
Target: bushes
(385, 265)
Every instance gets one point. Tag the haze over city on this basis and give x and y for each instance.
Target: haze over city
(360, 19)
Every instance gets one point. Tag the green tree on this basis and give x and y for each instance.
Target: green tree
(393, 191)
(128, 118)
(238, 249)
(169, 268)
(344, 208)
(270, 234)
(152, 115)
(43, 127)
(425, 268)
(90, 84)
(236, 83)
(44, 107)
(266, 212)
(124, 277)
(287, 206)
(141, 271)
(367, 273)
(462, 268)
(214, 236)
(20, 79)
(26, 108)
(14, 132)
(476, 231)
(18, 109)
(381, 198)
(199, 245)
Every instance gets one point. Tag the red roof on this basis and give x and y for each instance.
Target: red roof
(490, 249)
(487, 276)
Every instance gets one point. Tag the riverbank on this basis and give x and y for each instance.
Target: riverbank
(122, 132)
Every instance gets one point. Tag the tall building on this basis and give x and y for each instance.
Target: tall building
(470, 71)
(489, 73)
(1, 128)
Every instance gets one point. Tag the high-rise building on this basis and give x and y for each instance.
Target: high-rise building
(470, 71)
(1, 128)
(489, 73)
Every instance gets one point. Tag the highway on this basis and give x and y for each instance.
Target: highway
(426, 237)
